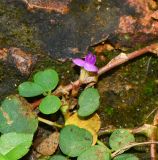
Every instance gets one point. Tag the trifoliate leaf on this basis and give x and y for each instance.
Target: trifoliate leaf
(3, 157)
(95, 153)
(120, 138)
(50, 104)
(30, 89)
(58, 157)
(47, 79)
(126, 156)
(16, 116)
(15, 145)
(74, 140)
(88, 102)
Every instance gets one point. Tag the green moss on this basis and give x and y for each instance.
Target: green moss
(127, 37)
(109, 110)
(149, 88)
(16, 28)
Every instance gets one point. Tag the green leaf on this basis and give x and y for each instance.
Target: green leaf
(50, 104)
(126, 157)
(95, 153)
(120, 138)
(47, 79)
(58, 157)
(88, 102)
(44, 158)
(30, 89)
(74, 140)
(15, 145)
(3, 157)
(16, 116)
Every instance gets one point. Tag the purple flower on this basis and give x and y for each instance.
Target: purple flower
(88, 64)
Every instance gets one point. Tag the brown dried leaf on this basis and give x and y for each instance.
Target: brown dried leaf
(3, 54)
(103, 47)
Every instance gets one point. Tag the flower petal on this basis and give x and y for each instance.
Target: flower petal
(90, 67)
(90, 58)
(78, 62)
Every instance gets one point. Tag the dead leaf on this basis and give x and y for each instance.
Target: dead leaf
(103, 47)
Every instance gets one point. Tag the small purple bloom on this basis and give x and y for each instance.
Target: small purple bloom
(88, 64)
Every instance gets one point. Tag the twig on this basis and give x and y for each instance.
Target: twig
(106, 131)
(144, 130)
(50, 122)
(127, 57)
(148, 65)
(153, 137)
(123, 149)
(155, 109)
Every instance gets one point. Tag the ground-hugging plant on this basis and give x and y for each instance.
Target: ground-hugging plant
(79, 134)
(44, 82)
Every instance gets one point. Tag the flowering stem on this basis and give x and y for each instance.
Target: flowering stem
(118, 60)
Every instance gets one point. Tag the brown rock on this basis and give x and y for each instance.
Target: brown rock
(22, 60)
(49, 145)
(60, 6)
(140, 27)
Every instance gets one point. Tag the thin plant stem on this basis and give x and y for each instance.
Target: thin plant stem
(147, 117)
(109, 131)
(123, 149)
(100, 143)
(50, 122)
(153, 137)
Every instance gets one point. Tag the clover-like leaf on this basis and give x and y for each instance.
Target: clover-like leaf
(88, 102)
(30, 89)
(95, 153)
(15, 145)
(74, 140)
(126, 156)
(16, 116)
(47, 79)
(120, 138)
(58, 157)
(92, 124)
(50, 104)
(3, 157)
